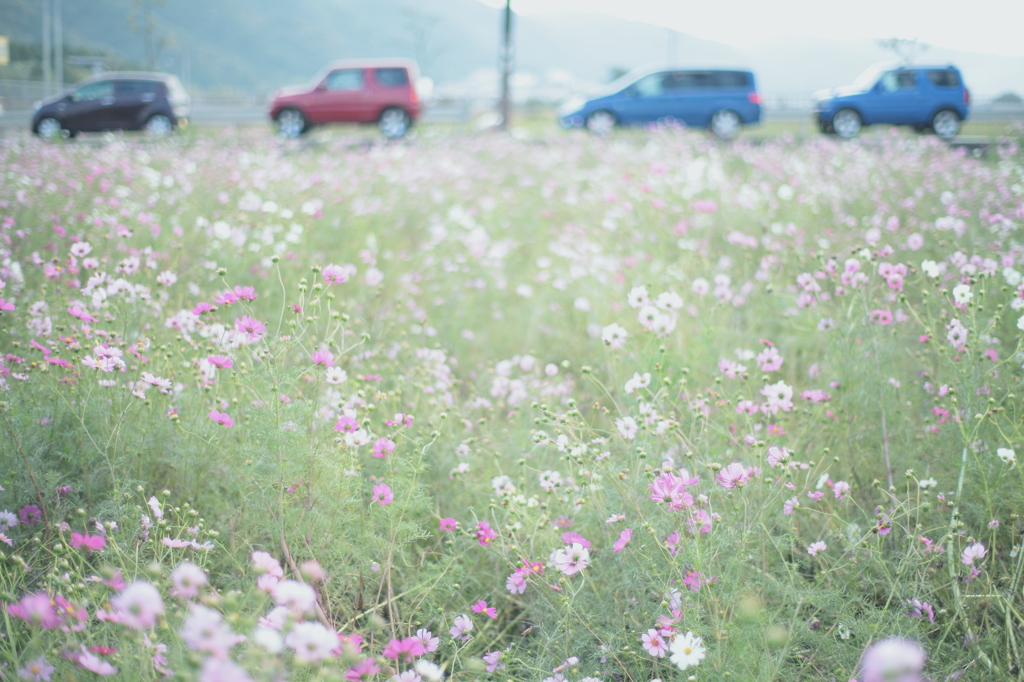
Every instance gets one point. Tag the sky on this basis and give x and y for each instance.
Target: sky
(993, 26)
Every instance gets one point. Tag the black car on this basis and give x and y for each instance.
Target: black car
(154, 102)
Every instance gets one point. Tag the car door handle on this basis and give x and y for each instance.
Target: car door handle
(148, 97)
(107, 101)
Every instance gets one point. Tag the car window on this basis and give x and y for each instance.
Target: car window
(731, 79)
(92, 91)
(944, 78)
(650, 86)
(140, 87)
(892, 81)
(346, 80)
(391, 78)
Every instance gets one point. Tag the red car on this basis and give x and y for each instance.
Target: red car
(354, 91)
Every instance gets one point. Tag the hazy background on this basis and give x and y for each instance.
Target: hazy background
(255, 46)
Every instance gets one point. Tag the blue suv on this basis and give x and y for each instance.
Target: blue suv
(925, 97)
(722, 101)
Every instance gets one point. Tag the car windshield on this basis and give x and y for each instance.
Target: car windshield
(867, 80)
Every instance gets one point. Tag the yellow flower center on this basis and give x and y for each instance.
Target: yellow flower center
(687, 650)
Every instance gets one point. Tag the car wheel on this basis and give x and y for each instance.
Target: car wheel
(394, 123)
(846, 123)
(601, 122)
(946, 124)
(49, 128)
(291, 122)
(158, 125)
(725, 124)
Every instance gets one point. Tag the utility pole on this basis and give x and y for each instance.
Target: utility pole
(506, 66)
(58, 44)
(47, 48)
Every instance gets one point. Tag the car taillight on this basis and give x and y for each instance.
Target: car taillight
(967, 96)
(415, 98)
(754, 97)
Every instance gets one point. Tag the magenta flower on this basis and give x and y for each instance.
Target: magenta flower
(481, 607)
(699, 522)
(364, 670)
(81, 313)
(624, 538)
(430, 643)
(669, 488)
(346, 424)
(37, 609)
(493, 661)
(323, 357)
(449, 523)
(245, 293)
(222, 361)
(462, 625)
(516, 583)
(251, 326)
(90, 543)
(920, 609)
(484, 533)
(93, 663)
(138, 606)
(222, 418)
(38, 670)
(225, 299)
(202, 307)
(882, 317)
(30, 514)
(572, 536)
(383, 447)
(404, 649)
(382, 494)
(188, 579)
(6, 305)
(655, 644)
(769, 360)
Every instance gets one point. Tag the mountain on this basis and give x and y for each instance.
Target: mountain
(255, 46)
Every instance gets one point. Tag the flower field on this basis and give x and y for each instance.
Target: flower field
(476, 408)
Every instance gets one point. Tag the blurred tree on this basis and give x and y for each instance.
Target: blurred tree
(1009, 98)
(616, 72)
(904, 48)
(141, 20)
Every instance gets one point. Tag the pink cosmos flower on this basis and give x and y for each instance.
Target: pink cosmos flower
(202, 307)
(699, 522)
(777, 456)
(481, 607)
(816, 396)
(81, 313)
(222, 418)
(769, 360)
(789, 505)
(571, 559)
(220, 670)
(430, 643)
(91, 543)
(816, 547)
(245, 293)
(311, 642)
(920, 609)
(334, 274)
(484, 533)
(449, 523)
(204, 630)
(364, 670)
(36, 609)
(516, 583)
(669, 488)
(188, 579)
(38, 670)
(572, 536)
(222, 361)
(972, 552)
(93, 663)
(733, 476)
(462, 625)
(655, 643)
(383, 447)
(346, 424)
(840, 489)
(493, 661)
(404, 649)
(225, 299)
(882, 317)
(138, 606)
(323, 357)
(266, 564)
(6, 306)
(382, 494)
(251, 326)
(624, 538)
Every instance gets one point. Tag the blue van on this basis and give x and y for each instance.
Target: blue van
(720, 100)
(925, 97)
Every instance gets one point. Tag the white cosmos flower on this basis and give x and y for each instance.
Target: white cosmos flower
(962, 294)
(687, 650)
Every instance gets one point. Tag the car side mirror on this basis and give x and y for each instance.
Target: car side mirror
(322, 86)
